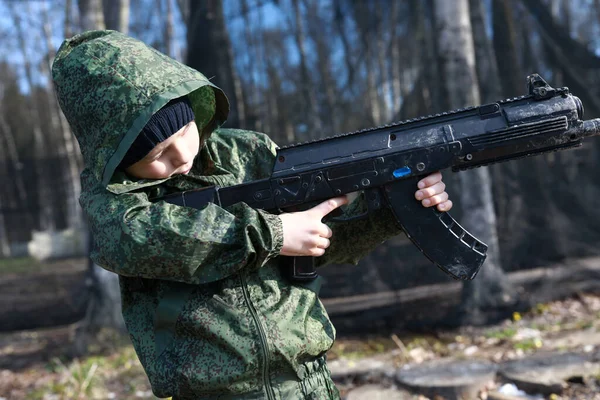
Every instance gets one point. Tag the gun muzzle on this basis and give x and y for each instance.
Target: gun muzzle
(590, 128)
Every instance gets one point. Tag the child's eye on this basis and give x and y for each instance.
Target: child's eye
(186, 130)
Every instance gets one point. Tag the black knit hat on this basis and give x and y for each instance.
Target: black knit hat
(165, 122)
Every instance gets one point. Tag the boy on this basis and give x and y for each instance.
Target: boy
(205, 303)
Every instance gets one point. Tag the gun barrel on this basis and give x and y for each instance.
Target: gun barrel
(591, 128)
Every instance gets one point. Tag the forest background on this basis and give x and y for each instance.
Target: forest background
(300, 70)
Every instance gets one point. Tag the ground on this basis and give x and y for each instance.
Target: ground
(39, 364)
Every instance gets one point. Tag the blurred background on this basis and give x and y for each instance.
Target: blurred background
(300, 70)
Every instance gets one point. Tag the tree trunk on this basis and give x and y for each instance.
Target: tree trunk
(90, 15)
(116, 15)
(67, 26)
(457, 62)
(316, 29)
(68, 152)
(362, 18)
(4, 241)
(209, 51)
(104, 305)
(339, 19)
(576, 53)
(12, 155)
(168, 34)
(46, 211)
(485, 65)
(395, 60)
(315, 129)
(385, 97)
(505, 38)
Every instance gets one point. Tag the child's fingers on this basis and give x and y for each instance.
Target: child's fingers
(445, 206)
(325, 231)
(438, 188)
(322, 243)
(430, 180)
(435, 200)
(329, 205)
(316, 252)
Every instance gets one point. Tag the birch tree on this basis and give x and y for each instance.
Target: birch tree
(456, 57)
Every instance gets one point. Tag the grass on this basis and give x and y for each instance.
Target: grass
(113, 373)
(502, 334)
(20, 265)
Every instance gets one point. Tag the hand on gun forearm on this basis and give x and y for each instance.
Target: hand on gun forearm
(304, 233)
(432, 192)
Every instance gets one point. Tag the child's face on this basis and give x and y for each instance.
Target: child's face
(171, 157)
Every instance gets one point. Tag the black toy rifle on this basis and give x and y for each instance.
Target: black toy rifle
(387, 162)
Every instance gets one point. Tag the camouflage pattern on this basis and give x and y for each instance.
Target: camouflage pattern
(208, 311)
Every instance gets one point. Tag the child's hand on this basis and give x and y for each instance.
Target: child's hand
(304, 234)
(432, 191)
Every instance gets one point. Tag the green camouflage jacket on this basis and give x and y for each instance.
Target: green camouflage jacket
(206, 306)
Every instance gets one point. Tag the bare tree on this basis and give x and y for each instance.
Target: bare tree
(209, 51)
(90, 15)
(315, 128)
(457, 61)
(46, 219)
(68, 148)
(116, 14)
(168, 35)
(367, 36)
(317, 28)
(104, 303)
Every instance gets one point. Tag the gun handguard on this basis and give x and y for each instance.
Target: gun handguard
(387, 162)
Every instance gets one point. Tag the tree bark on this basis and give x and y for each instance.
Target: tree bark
(505, 38)
(209, 51)
(12, 156)
(363, 19)
(457, 62)
(104, 304)
(116, 15)
(339, 19)
(90, 15)
(168, 34)
(319, 35)
(395, 60)
(485, 65)
(46, 211)
(576, 52)
(315, 129)
(59, 124)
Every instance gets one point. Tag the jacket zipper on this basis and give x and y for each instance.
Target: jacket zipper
(263, 339)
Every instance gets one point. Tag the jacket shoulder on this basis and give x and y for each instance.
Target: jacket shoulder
(247, 153)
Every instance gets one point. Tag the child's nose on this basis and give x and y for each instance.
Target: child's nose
(180, 153)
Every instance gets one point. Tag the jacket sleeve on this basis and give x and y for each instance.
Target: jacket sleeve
(136, 237)
(353, 240)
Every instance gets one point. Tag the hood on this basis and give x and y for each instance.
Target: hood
(109, 85)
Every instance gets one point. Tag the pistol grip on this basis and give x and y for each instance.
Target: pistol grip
(436, 234)
(299, 268)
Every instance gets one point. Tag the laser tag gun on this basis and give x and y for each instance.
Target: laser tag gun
(387, 162)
